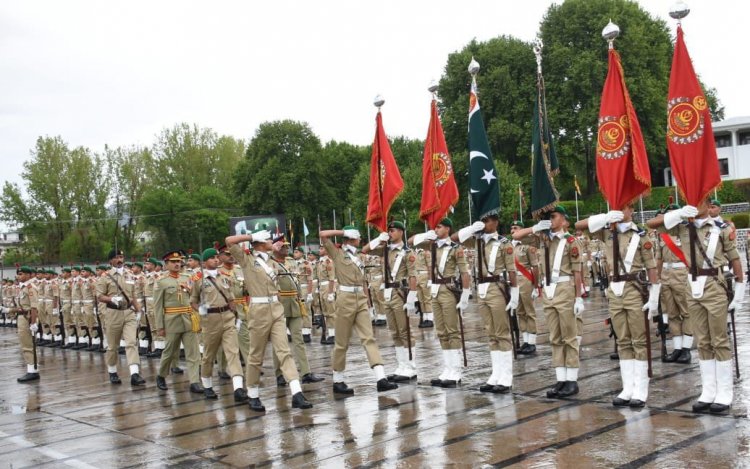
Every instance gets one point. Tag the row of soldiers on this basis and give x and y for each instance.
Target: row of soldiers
(241, 298)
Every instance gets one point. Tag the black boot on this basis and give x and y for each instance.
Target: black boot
(155, 354)
(486, 387)
(256, 405)
(614, 356)
(570, 388)
(636, 403)
(555, 391)
(224, 375)
(240, 395)
(28, 377)
(385, 385)
(342, 388)
(197, 388)
(672, 357)
(161, 383)
(177, 370)
(718, 408)
(311, 378)
(618, 402)
(701, 407)
(500, 389)
(114, 378)
(280, 381)
(685, 357)
(136, 380)
(306, 338)
(299, 402)
(210, 394)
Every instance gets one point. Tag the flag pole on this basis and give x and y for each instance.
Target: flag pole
(576, 196)
(642, 216)
(520, 203)
(304, 235)
(335, 240)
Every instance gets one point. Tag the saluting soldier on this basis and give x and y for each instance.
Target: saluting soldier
(351, 309)
(176, 321)
(626, 296)
(449, 266)
(231, 270)
(498, 294)
(527, 265)
(25, 313)
(266, 318)
(708, 303)
(116, 289)
(562, 302)
(399, 294)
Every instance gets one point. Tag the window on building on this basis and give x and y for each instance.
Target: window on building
(723, 140)
(744, 137)
(724, 166)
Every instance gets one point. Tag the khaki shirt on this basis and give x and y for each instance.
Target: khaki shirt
(504, 257)
(87, 287)
(726, 249)
(663, 253)
(257, 282)
(106, 286)
(172, 304)
(347, 272)
(204, 291)
(28, 296)
(75, 289)
(406, 268)
(288, 287)
(66, 290)
(644, 258)
(571, 258)
(454, 264)
(326, 272)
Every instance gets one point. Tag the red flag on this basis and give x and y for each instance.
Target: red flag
(385, 180)
(621, 164)
(439, 190)
(690, 137)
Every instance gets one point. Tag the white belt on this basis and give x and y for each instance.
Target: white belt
(149, 297)
(77, 302)
(303, 285)
(349, 289)
(264, 299)
(88, 302)
(48, 301)
(377, 277)
(323, 284)
(673, 265)
(420, 272)
(562, 279)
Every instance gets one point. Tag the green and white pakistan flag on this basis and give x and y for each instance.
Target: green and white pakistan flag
(484, 185)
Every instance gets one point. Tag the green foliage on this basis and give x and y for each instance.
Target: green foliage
(741, 220)
(743, 187)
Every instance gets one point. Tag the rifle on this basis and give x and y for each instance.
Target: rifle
(612, 334)
(62, 321)
(149, 335)
(730, 296)
(456, 290)
(661, 331)
(322, 319)
(99, 326)
(643, 290)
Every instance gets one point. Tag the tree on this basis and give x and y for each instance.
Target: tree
(130, 167)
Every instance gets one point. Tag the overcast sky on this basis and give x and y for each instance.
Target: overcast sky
(99, 72)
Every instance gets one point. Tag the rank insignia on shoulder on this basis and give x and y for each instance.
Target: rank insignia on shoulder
(532, 249)
(509, 251)
(647, 245)
(732, 235)
(571, 239)
(412, 258)
(574, 252)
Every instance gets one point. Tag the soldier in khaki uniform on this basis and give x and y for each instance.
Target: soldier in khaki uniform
(527, 267)
(708, 303)
(151, 276)
(498, 295)
(52, 302)
(374, 277)
(230, 269)
(303, 269)
(25, 313)
(265, 318)
(87, 286)
(448, 264)
(625, 295)
(116, 289)
(211, 296)
(289, 296)
(423, 288)
(585, 262)
(674, 292)
(326, 286)
(351, 309)
(562, 302)
(76, 310)
(65, 288)
(399, 294)
(176, 321)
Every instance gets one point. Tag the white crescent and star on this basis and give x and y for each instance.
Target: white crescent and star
(474, 154)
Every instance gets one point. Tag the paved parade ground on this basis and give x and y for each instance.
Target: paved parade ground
(73, 417)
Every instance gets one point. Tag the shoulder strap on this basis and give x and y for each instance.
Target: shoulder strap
(211, 279)
(119, 288)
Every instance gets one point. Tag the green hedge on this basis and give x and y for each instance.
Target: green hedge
(741, 220)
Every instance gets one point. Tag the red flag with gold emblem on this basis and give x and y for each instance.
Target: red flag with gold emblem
(621, 161)
(439, 190)
(690, 137)
(385, 179)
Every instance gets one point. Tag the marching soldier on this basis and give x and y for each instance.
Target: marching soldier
(230, 269)
(674, 292)
(326, 286)
(303, 269)
(714, 210)
(52, 304)
(76, 310)
(448, 261)
(211, 296)
(708, 303)
(116, 289)
(423, 288)
(265, 318)
(177, 322)
(527, 264)
(65, 286)
(351, 309)
(289, 296)
(25, 313)
(626, 296)
(151, 276)
(562, 302)
(498, 296)
(585, 263)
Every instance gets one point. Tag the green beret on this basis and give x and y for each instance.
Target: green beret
(102, 267)
(153, 260)
(517, 223)
(300, 249)
(138, 264)
(67, 269)
(25, 270)
(561, 210)
(716, 202)
(114, 253)
(197, 257)
(76, 267)
(397, 224)
(51, 272)
(88, 269)
(39, 270)
(315, 253)
(446, 222)
(128, 264)
(491, 215)
(209, 253)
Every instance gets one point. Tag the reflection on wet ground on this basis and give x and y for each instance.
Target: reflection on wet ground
(74, 417)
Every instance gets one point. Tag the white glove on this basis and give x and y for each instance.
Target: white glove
(331, 297)
(261, 236)
(238, 324)
(422, 237)
(653, 301)
(513, 303)
(309, 298)
(739, 295)
(203, 310)
(55, 311)
(138, 317)
(541, 226)
(463, 303)
(34, 328)
(534, 293)
(578, 307)
(382, 238)
(430, 235)
(468, 232)
(614, 216)
(351, 234)
(688, 211)
(116, 300)
(411, 302)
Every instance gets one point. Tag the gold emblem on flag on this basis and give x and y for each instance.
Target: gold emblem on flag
(441, 168)
(613, 139)
(685, 122)
(382, 174)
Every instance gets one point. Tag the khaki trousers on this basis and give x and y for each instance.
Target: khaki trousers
(70, 324)
(42, 316)
(397, 317)
(351, 314)
(122, 325)
(561, 322)
(25, 339)
(446, 319)
(298, 347)
(628, 320)
(525, 311)
(708, 317)
(496, 321)
(171, 354)
(89, 318)
(423, 292)
(220, 333)
(267, 322)
(674, 294)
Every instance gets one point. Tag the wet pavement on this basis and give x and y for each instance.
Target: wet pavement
(74, 417)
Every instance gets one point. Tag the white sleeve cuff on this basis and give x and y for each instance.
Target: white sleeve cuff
(672, 219)
(597, 222)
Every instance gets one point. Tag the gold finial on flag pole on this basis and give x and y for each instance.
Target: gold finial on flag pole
(610, 32)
